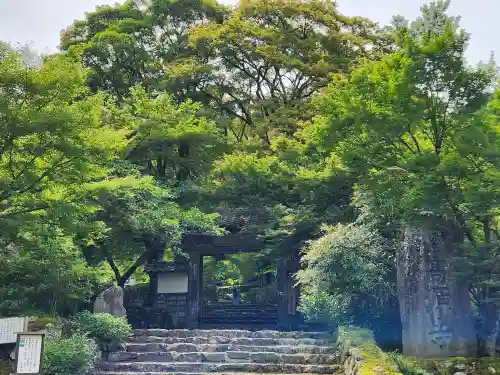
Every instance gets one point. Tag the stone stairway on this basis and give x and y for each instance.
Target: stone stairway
(239, 316)
(190, 352)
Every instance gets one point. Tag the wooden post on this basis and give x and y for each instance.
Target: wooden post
(283, 323)
(194, 292)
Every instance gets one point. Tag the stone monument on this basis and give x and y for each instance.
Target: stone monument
(110, 301)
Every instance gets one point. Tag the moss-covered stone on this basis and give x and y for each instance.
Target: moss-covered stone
(450, 366)
(361, 355)
(41, 323)
(488, 366)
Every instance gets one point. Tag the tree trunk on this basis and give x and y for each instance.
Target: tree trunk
(155, 249)
(435, 309)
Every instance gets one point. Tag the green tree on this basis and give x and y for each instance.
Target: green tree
(348, 275)
(172, 142)
(170, 149)
(141, 222)
(55, 144)
(42, 272)
(269, 57)
(55, 140)
(129, 44)
(415, 129)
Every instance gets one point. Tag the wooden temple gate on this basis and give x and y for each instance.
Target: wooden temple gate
(187, 286)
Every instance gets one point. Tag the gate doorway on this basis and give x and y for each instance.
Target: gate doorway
(262, 301)
(239, 290)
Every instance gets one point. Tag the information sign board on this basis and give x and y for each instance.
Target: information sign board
(10, 327)
(29, 353)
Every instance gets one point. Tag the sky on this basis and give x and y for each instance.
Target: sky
(40, 22)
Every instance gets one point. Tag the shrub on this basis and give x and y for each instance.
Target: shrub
(109, 331)
(320, 307)
(69, 356)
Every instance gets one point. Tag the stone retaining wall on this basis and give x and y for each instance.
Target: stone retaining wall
(360, 355)
(352, 362)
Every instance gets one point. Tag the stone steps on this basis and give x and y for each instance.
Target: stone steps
(230, 333)
(245, 325)
(240, 307)
(225, 340)
(255, 319)
(142, 367)
(102, 372)
(214, 348)
(239, 312)
(250, 321)
(202, 351)
(224, 357)
(221, 337)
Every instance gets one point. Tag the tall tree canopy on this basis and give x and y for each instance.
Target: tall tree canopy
(419, 130)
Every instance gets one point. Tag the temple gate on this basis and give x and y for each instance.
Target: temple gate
(177, 288)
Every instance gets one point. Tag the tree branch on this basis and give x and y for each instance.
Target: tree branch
(112, 264)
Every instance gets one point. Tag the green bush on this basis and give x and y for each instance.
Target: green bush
(109, 331)
(320, 307)
(69, 356)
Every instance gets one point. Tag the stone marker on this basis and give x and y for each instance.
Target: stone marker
(110, 301)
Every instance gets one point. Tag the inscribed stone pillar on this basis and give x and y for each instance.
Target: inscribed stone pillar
(435, 308)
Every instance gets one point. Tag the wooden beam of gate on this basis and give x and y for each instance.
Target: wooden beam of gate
(229, 244)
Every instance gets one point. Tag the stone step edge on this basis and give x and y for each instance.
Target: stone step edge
(253, 334)
(159, 352)
(229, 357)
(236, 333)
(191, 340)
(103, 372)
(234, 345)
(258, 368)
(242, 348)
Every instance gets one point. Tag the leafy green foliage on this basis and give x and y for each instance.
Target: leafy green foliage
(43, 273)
(269, 57)
(124, 46)
(104, 328)
(254, 274)
(345, 260)
(69, 356)
(141, 221)
(406, 124)
(57, 144)
(52, 142)
(173, 143)
(346, 279)
(322, 307)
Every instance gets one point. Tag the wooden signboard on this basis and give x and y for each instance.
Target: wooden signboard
(10, 327)
(29, 353)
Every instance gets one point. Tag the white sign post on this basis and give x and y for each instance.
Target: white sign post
(29, 353)
(10, 327)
